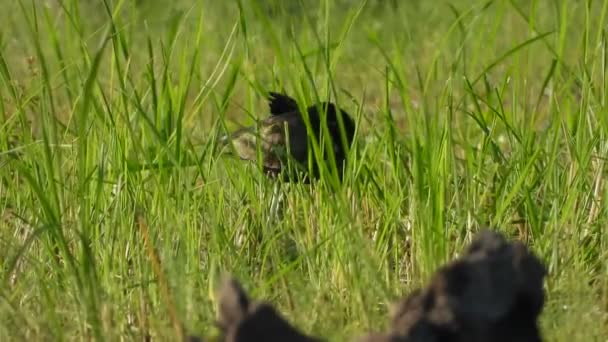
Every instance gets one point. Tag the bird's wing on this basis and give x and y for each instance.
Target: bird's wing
(281, 104)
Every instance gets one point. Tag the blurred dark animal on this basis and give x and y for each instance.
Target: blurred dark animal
(492, 293)
(242, 320)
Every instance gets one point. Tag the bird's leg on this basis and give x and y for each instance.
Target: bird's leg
(277, 202)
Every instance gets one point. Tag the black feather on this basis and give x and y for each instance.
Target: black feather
(281, 104)
(271, 135)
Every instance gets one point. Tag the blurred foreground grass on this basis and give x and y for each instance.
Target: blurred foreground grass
(470, 113)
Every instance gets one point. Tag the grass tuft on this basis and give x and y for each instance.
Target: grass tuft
(469, 113)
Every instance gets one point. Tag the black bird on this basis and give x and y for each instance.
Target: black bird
(277, 147)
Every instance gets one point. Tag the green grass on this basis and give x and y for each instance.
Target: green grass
(470, 113)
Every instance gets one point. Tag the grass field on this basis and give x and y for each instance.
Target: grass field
(118, 218)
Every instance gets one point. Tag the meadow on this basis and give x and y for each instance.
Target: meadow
(118, 217)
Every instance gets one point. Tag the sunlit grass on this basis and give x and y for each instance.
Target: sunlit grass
(118, 217)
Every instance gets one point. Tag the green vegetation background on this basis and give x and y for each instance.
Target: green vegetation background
(470, 113)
